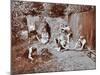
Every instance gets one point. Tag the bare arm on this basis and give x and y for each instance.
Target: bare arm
(38, 38)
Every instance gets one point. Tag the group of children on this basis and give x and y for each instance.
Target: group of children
(62, 41)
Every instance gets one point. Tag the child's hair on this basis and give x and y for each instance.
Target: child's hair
(48, 29)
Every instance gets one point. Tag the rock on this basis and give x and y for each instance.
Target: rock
(23, 34)
(46, 55)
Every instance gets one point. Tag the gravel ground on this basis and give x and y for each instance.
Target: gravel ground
(68, 60)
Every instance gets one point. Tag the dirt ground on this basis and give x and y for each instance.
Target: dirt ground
(58, 61)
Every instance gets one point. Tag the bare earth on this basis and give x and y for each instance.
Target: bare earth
(60, 61)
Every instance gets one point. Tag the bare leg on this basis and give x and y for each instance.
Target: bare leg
(30, 52)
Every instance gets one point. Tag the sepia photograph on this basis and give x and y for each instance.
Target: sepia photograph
(52, 37)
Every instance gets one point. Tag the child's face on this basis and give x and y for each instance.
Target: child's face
(62, 31)
(44, 30)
